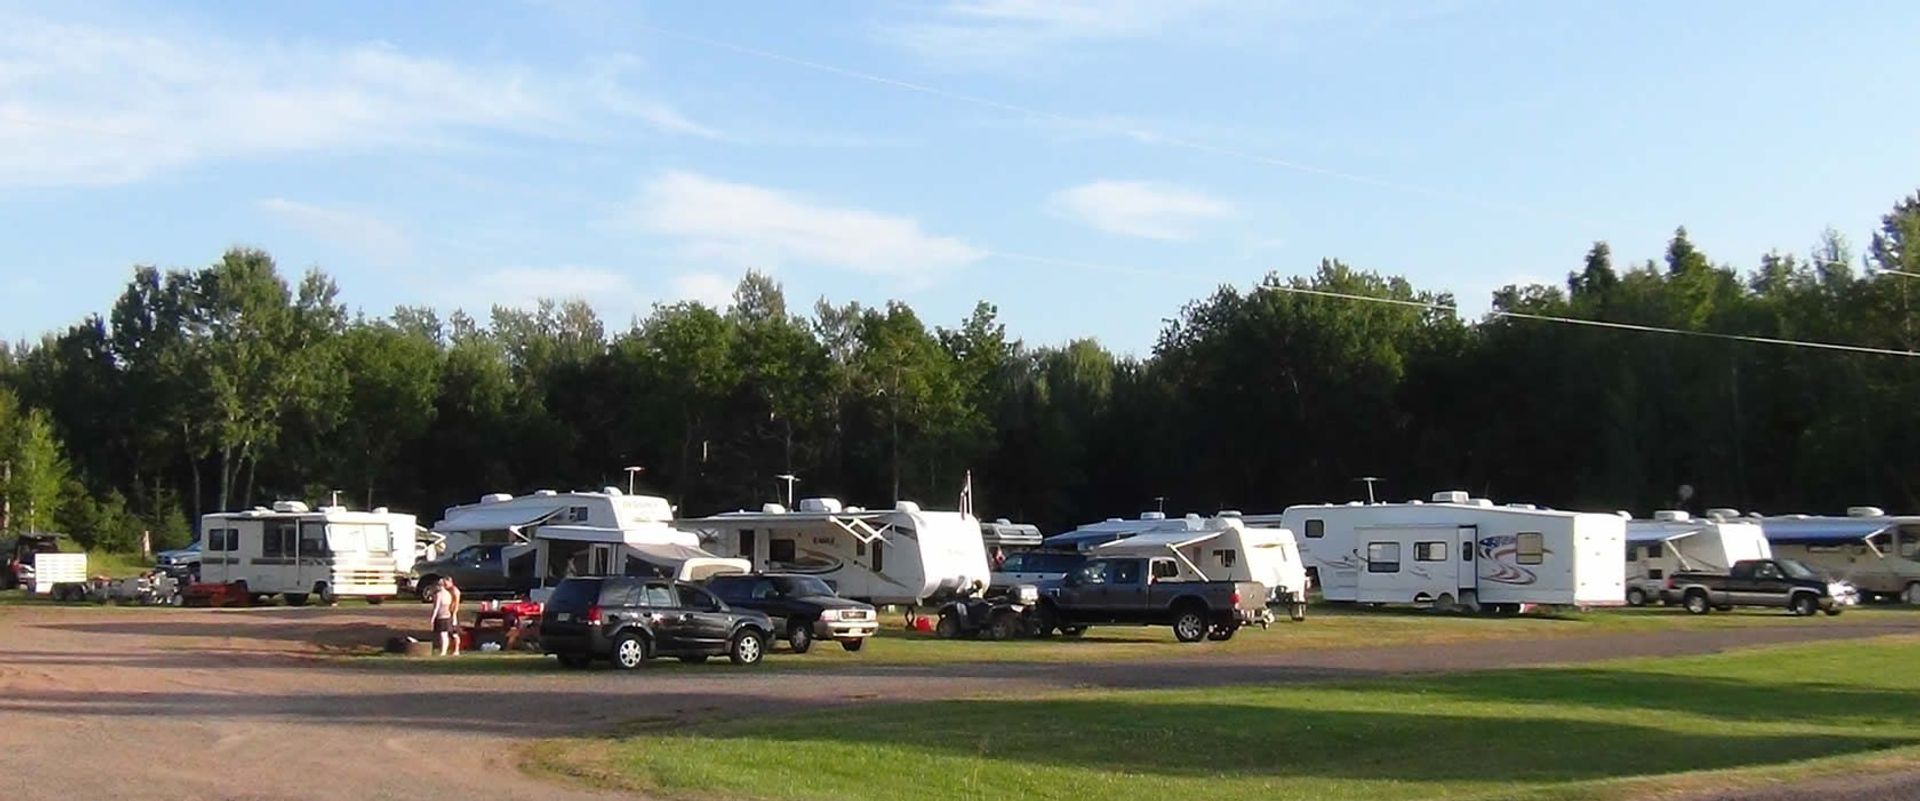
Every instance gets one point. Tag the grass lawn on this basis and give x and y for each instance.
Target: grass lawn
(1613, 730)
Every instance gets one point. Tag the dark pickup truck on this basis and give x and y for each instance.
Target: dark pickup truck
(1139, 591)
(1782, 583)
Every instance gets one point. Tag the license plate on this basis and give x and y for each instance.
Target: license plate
(563, 616)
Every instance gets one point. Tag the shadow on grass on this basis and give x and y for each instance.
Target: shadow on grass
(1707, 696)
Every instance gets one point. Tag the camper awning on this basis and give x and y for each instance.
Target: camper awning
(584, 534)
(669, 553)
(1156, 541)
(495, 519)
(1082, 540)
(1815, 531)
(1639, 535)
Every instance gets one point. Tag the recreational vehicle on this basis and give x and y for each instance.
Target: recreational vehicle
(1674, 541)
(904, 555)
(1459, 551)
(297, 553)
(1877, 553)
(1223, 549)
(553, 535)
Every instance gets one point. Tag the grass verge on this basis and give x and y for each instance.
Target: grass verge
(1614, 730)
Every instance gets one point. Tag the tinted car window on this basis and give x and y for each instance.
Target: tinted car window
(659, 595)
(620, 593)
(575, 595)
(801, 586)
(696, 598)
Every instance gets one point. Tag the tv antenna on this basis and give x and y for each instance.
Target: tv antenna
(1370, 481)
(791, 480)
(631, 473)
(1160, 504)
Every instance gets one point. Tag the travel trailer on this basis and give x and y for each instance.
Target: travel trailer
(1460, 552)
(298, 553)
(1876, 552)
(1008, 535)
(563, 534)
(1674, 541)
(904, 555)
(1224, 549)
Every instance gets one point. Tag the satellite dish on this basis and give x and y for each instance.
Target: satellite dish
(1686, 492)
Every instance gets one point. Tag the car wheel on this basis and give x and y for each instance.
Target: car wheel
(948, 628)
(800, 636)
(324, 592)
(296, 598)
(1636, 596)
(574, 661)
(426, 588)
(1804, 605)
(747, 648)
(629, 651)
(853, 645)
(1189, 625)
(1696, 603)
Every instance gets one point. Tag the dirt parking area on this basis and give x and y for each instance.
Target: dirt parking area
(265, 704)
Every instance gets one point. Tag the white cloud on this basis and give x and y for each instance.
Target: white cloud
(1139, 208)
(996, 32)
(712, 289)
(86, 105)
(752, 226)
(363, 233)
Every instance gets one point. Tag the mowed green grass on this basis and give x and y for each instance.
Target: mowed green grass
(1614, 730)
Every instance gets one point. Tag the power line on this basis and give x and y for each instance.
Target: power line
(1134, 133)
(1651, 329)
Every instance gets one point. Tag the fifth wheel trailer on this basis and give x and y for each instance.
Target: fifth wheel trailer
(1461, 551)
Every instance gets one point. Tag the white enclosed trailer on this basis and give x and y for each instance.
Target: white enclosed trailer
(296, 552)
(1461, 551)
(1674, 541)
(904, 555)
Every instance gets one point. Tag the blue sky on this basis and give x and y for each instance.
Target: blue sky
(1088, 167)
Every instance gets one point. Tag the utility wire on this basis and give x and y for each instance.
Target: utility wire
(1651, 329)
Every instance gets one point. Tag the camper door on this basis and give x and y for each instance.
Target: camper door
(1403, 565)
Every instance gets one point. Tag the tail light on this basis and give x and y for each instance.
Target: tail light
(1236, 598)
(1669, 585)
(593, 615)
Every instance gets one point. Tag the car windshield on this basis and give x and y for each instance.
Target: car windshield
(1796, 570)
(801, 586)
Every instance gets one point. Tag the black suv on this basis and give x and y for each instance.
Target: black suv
(803, 608)
(630, 620)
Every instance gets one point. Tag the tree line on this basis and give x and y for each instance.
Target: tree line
(231, 385)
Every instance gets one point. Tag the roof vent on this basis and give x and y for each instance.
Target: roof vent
(1481, 502)
(1229, 513)
(1153, 515)
(545, 493)
(906, 506)
(1001, 521)
(1722, 513)
(828, 505)
(380, 510)
(610, 490)
(1416, 502)
(1866, 511)
(1356, 503)
(1672, 516)
(1114, 520)
(1193, 515)
(773, 509)
(289, 506)
(496, 497)
(1525, 506)
(1451, 496)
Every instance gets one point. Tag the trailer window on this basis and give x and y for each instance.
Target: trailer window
(1383, 557)
(577, 514)
(278, 540)
(223, 539)
(1530, 548)
(879, 557)
(1429, 552)
(1654, 551)
(1226, 557)
(1316, 529)
(313, 539)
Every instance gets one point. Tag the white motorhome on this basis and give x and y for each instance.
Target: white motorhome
(1460, 551)
(1224, 549)
(297, 553)
(605, 533)
(1876, 552)
(904, 555)
(1674, 541)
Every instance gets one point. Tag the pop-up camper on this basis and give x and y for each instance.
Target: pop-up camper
(1224, 549)
(605, 533)
(1674, 541)
(903, 555)
(1461, 551)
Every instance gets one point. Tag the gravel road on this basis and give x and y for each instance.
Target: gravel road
(245, 703)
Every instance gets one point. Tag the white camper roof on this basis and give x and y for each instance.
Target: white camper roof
(1156, 540)
(1644, 531)
(482, 519)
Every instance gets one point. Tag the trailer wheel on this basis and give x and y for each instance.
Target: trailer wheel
(1636, 596)
(1444, 604)
(1911, 595)
(1190, 624)
(800, 636)
(948, 628)
(1804, 604)
(1297, 610)
(1696, 603)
